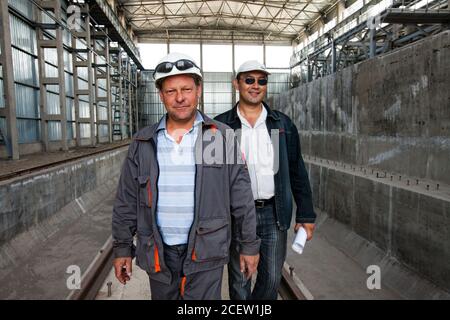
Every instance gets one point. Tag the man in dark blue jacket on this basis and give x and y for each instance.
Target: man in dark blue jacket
(270, 143)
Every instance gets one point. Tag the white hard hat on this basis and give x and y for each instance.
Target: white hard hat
(173, 62)
(252, 65)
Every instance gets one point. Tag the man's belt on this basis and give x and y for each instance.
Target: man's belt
(261, 203)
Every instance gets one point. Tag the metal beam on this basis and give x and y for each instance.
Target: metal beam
(233, 62)
(90, 84)
(117, 32)
(61, 76)
(42, 85)
(373, 42)
(333, 57)
(108, 89)
(202, 97)
(8, 82)
(76, 101)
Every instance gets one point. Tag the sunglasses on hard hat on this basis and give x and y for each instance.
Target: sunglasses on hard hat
(166, 67)
(250, 80)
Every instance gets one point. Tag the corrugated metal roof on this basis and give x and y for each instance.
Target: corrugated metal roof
(250, 21)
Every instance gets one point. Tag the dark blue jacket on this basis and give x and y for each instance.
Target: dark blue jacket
(291, 178)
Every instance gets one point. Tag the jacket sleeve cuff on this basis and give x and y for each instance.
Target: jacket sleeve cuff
(305, 220)
(250, 248)
(124, 252)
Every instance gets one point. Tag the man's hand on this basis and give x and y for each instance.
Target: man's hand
(122, 268)
(309, 228)
(249, 264)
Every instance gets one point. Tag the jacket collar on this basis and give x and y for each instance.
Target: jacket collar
(233, 116)
(148, 132)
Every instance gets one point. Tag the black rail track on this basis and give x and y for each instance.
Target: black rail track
(95, 275)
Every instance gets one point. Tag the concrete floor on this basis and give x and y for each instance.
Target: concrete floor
(322, 272)
(138, 288)
(34, 264)
(328, 273)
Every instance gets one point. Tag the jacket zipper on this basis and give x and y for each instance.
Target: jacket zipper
(193, 255)
(156, 251)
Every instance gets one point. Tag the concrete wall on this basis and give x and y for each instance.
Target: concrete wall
(390, 114)
(405, 222)
(28, 200)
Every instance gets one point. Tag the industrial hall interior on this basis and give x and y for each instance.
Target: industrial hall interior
(363, 87)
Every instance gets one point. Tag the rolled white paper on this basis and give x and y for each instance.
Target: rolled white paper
(299, 241)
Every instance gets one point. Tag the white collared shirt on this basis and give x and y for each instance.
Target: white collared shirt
(257, 148)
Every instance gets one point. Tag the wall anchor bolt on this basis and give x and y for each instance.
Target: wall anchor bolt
(109, 284)
(291, 271)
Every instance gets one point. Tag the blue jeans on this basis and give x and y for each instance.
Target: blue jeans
(272, 256)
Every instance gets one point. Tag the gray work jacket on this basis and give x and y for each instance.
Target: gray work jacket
(224, 206)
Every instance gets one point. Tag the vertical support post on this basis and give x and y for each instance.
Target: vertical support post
(76, 101)
(8, 82)
(233, 62)
(61, 76)
(121, 104)
(108, 88)
(136, 104)
(168, 42)
(42, 85)
(95, 85)
(202, 97)
(373, 44)
(264, 51)
(92, 113)
(130, 107)
(309, 70)
(333, 56)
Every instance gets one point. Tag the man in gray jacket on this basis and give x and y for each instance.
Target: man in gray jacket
(184, 194)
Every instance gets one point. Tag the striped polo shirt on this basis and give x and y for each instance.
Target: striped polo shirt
(176, 183)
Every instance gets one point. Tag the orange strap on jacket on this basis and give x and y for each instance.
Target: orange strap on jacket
(183, 283)
(193, 257)
(156, 255)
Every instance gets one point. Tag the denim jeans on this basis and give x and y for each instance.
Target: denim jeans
(272, 256)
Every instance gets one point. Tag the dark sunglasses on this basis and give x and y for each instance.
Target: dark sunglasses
(166, 67)
(261, 82)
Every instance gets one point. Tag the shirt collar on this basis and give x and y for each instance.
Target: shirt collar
(162, 123)
(261, 119)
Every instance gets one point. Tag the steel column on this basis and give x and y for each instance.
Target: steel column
(11, 136)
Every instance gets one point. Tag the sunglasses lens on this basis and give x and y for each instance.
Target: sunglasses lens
(262, 82)
(249, 80)
(184, 64)
(164, 67)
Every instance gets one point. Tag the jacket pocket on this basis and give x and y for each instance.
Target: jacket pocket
(211, 241)
(145, 191)
(147, 254)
